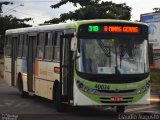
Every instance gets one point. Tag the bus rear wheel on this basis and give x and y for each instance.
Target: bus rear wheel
(22, 93)
(60, 107)
(120, 109)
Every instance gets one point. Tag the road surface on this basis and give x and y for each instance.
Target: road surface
(13, 107)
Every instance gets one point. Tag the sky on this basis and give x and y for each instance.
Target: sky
(41, 11)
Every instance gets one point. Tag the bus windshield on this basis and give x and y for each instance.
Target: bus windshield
(126, 55)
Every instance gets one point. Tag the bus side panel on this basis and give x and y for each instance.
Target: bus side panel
(19, 66)
(50, 90)
(52, 76)
(40, 78)
(44, 88)
(37, 88)
(25, 87)
(42, 70)
(23, 68)
(44, 78)
(7, 71)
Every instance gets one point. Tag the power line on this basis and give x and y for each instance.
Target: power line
(29, 14)
(12, 9)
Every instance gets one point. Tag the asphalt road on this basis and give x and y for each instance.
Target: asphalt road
(13, 107)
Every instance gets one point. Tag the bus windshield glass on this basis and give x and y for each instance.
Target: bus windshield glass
(126, 55)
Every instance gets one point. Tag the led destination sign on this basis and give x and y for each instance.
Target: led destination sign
(113, 29)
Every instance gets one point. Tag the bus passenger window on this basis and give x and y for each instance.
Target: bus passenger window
(49, 46)
(40, 46)
(56, 45)
(8, 46)
(20, 46)
(48, 40)
(25, 47)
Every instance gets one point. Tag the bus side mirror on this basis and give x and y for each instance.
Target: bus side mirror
(73, 43)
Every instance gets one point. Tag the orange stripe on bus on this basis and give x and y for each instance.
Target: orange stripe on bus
(36, 68)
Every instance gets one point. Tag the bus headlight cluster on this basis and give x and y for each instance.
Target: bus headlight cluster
(143, 89)
(84, 88)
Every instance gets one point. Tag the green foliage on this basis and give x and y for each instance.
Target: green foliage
(93, 9)
(156, 9)
(75, 2)
(4, 3)
(9, 22)
(155, 76)
(155, 80)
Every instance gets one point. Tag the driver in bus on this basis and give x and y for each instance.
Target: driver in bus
(90, 57)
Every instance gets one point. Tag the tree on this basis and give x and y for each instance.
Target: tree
(4, 3)
(156, 9)
(93, 9)
(9, 22)
(82, 3)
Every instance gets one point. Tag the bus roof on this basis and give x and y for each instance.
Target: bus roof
(70, 25)
(39, 28)
(108, 20)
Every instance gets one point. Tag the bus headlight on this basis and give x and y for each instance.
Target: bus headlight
(81, 86)
(143, 89)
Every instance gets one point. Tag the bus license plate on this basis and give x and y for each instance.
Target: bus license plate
(116, 98)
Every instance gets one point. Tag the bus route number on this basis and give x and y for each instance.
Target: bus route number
(102, 87)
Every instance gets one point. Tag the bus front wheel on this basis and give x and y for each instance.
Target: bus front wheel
(58, 100)
(120, 109)
(22, 93)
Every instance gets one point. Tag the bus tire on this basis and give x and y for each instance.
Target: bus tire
(120, 109)
(22, 93)
(58, 100)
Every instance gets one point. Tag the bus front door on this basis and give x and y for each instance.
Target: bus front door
(14, 59)
(30, 61)
(66, 71)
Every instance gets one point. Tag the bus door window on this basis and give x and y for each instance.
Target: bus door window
(56, 45)
(40, 45)
(8, 48)
(20, 45)
(49, 46)
(15, 40)
(24, 53)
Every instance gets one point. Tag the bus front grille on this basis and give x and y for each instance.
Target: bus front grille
(115, 101)
(120, 91)
(108, 100)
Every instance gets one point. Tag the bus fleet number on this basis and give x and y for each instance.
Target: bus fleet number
(102, 87)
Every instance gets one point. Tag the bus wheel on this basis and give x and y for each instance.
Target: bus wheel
(60, 107)
(22, 93)
(120, 109)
